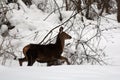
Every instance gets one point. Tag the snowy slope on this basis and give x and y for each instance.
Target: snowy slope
(112, 48)
(30, 27)
(60, 73)
(111, 39)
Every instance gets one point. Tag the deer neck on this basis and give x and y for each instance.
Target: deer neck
(60, 43)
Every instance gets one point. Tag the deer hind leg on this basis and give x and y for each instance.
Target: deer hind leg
(30, 63)
(21, 60)
(65, 60)
(31, 60)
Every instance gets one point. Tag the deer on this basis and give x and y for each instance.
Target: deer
(50, 53)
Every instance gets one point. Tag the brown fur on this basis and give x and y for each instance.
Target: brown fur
(25, 49)
(46, 53)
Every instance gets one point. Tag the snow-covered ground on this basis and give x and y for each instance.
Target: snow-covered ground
(61, 73)
(113, 45)
(112, 38)
(28, 21)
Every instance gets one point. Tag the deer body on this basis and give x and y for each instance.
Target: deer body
(45, 53)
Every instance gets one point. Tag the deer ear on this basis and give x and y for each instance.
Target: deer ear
(61, 29)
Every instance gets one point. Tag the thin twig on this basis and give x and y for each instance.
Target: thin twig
(52, 12)
(57, 27)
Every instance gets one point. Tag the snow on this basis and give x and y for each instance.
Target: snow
(3, 29)
(113, 45)
(29, 21)
(61, 73)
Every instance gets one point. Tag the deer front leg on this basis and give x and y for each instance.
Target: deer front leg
(21, 60)
(65, 59)
(53, 62)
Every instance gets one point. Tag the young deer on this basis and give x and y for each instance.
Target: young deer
(49, 54)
